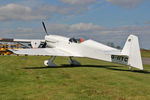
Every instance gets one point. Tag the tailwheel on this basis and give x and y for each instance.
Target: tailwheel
(74, 62)
(50, 63)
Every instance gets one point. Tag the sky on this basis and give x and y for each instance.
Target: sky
(101, 20)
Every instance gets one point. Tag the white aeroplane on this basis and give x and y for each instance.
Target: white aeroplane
(70, 47)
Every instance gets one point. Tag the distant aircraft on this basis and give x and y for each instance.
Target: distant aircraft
(54, 45)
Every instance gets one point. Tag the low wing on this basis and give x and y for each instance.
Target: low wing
(20, 40)
(42, 52)
(27, 40)
(35, 43)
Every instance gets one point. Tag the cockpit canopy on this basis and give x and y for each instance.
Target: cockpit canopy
(74, 40)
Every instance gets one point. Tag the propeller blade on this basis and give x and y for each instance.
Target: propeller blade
(44, 27)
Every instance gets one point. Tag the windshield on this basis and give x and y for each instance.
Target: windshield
(74, 40)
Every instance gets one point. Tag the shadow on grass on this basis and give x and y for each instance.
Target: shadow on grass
(110, 67)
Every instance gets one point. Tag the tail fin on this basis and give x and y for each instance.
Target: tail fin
(132, 50)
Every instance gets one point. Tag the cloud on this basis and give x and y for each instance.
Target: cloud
(18, 12)
(49, 9)
(134, 29)
(23, 12)
(79, 28)
(147, 22)
(20, 32)
(86, 27)
(126, 3)
(102, 34)
(60, 29)
(78, 2)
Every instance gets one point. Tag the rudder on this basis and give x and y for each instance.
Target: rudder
(132, 50)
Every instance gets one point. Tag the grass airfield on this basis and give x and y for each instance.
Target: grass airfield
(26, 78)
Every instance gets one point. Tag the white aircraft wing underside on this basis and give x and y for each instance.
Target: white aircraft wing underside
(20, 40)
(42, 52)
(27, 40)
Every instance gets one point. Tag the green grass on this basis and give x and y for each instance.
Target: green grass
(26, 78)
(145, 53)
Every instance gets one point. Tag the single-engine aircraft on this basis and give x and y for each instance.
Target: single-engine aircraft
(54, 45)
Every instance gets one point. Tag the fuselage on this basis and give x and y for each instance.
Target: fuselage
(77, 48)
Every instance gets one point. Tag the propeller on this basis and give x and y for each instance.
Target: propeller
(44, 27)
(45, 44)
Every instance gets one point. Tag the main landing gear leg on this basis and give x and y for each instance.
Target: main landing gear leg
(50, 63)
(74, 62)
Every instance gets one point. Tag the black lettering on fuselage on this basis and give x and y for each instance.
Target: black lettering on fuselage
(119, 59)
(126, 59)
